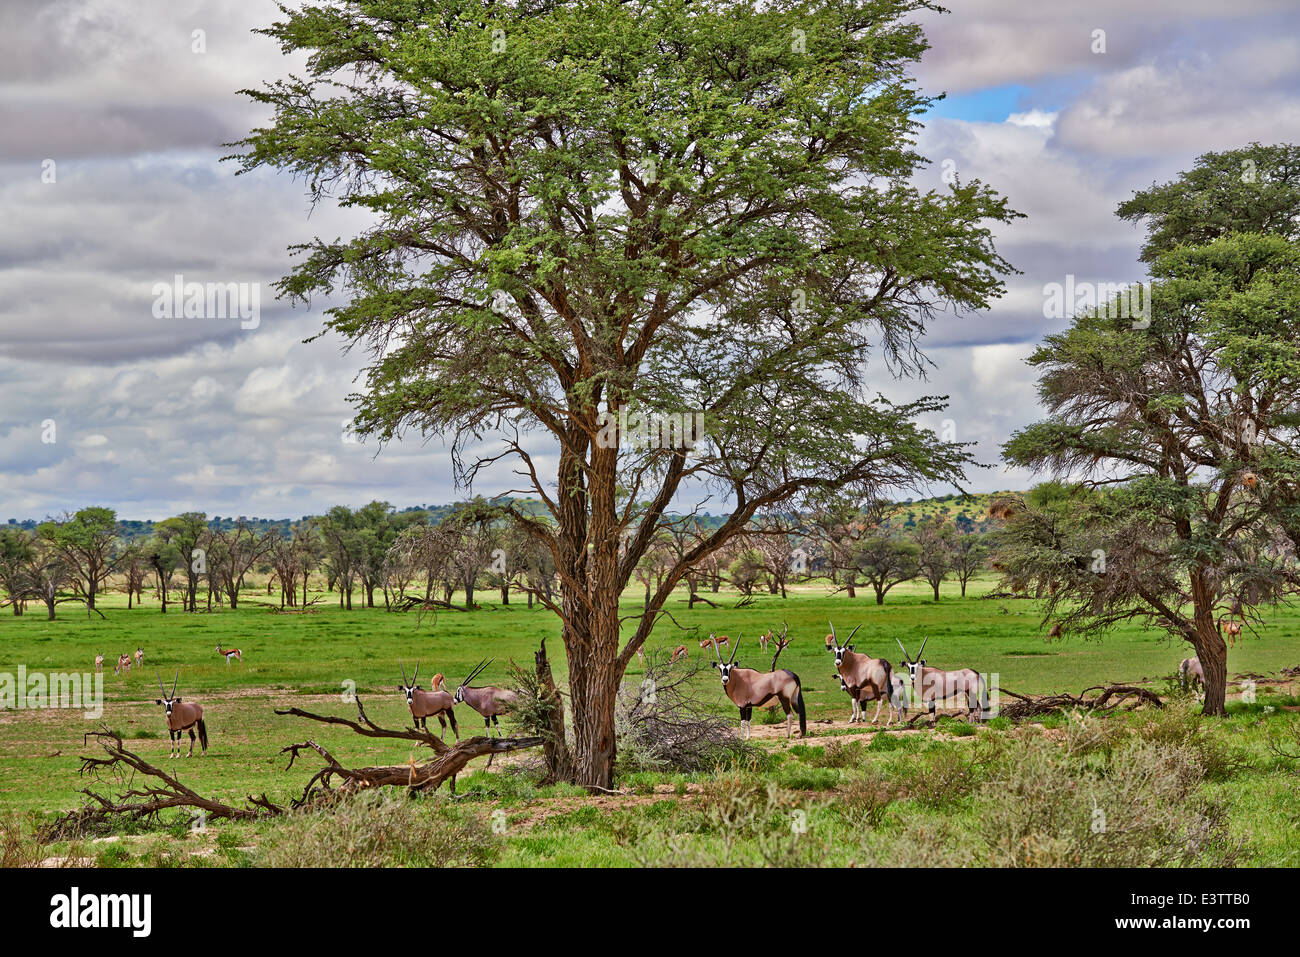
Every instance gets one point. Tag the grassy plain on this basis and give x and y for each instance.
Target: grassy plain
(942, 782)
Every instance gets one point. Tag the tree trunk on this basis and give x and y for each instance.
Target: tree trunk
(880, 595)
(556, 749)
(1210, 647)
(505, 594)
(935, 586)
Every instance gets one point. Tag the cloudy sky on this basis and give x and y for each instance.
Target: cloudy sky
(110, 182)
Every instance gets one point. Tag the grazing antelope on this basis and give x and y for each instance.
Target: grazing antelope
(872, 679)
(99, 663)
(231, 653)
(714, 641)
(749, 689)
(182, 716)
(932, 685)
(489, 701)
(679, 652)
(436, 701)
(123, 664)
(139, 657)
(1191, 675)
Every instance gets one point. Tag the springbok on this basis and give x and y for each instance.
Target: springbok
(182, 716)
(1191, 675)
(489, 701)
(436, 701)
(749, 689)
(139, 657)
(99, 663)
(1230, 628)
(872, 679)
(932, 685)
(123, 664)
(678, 652)
(231, 653)
(714, 640)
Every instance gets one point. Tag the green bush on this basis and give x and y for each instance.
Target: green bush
(377, 829)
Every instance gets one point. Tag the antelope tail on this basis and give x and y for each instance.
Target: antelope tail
(798, 703)
(203, 734)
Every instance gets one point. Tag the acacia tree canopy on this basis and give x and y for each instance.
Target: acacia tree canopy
(582, 209)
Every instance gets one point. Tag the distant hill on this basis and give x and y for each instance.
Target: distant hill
(968, 512)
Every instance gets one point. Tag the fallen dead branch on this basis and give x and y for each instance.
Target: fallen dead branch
(1109, 698)
(128, 798)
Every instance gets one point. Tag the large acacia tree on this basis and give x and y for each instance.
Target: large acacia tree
(661, 207)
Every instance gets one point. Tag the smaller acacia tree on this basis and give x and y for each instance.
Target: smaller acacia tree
(936, 541)
(883, 561)
(1188, 414)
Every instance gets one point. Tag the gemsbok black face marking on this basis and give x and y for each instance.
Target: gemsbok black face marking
(867, 679)
(749, 689)
(434, 702)
(181, 716)
(932, 685)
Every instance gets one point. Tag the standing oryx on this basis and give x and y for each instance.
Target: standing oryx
(932, 685)
(749, 689)
(488, 701)
(1190, 674)
(436, 701)
(867, 679)
(182, 716)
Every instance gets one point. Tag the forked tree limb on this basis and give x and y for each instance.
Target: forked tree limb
(364, 726)
(162, 791)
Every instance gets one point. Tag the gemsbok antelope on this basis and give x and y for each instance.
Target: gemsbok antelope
(872, 679)
(139, 657)
(123, 664)
(99, 663)
(932, 685)
(749, 689)
(1190, 675)
(437, 701)
(230, 653)
(489, 701)
(182, 716)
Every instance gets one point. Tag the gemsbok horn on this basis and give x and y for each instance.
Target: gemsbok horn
(423, 704)
(749, 689)
(182, 716)
(871, 679)
(932, 685)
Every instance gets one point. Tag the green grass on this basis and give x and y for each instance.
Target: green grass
(309, 659)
